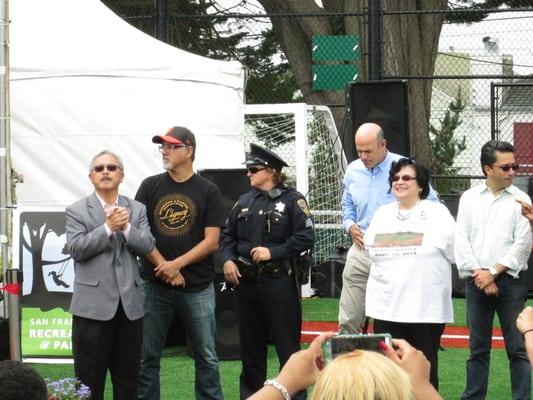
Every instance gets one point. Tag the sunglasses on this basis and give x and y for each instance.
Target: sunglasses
(507, 167)
(254, 170)
(109, 167)
(171, 147)
(404, 178)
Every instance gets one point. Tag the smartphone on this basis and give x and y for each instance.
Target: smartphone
(340, 344)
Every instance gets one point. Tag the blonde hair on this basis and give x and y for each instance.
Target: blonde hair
(362, 375)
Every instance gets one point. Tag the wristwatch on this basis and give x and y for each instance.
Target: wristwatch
(493, 272)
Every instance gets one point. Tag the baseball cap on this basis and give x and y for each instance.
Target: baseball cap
(176, 135)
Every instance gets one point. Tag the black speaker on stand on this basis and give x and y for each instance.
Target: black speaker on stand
(227, 339)
(232, 184)
(326, 278)
(383, 102)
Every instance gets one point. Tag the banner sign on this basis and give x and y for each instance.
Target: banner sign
(40, 251)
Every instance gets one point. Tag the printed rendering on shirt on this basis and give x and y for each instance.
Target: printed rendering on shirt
(396, 244)
(174, 214)
(398, 239)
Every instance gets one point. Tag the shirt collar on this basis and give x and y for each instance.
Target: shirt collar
(484, 188)
(103, 203)
(383, 164)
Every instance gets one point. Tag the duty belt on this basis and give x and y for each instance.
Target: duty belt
(270, 269)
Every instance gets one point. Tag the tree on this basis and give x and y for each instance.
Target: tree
(410, 46)
(222, 38)
(445, 145)
(412, 49)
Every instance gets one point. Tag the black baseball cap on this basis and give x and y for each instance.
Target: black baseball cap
(176, 135)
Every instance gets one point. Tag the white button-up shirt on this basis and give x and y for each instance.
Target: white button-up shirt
(490, 229)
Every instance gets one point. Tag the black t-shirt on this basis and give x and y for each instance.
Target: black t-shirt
(178, 212)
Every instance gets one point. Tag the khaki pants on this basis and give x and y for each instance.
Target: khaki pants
(354, 279)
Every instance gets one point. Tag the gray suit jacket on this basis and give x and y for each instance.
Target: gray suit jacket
(106, 268)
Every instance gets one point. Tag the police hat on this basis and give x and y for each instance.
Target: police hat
(261, 156)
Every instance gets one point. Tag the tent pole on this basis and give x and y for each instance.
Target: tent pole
(10, 276)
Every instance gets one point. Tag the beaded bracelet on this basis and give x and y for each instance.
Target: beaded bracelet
(278, 386)
(526, 331)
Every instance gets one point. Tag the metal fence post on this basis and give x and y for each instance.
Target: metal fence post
(161, 20)
(493, 111)
(374, 40)
(14, 277)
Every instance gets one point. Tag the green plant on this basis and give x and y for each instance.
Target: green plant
(446, 147)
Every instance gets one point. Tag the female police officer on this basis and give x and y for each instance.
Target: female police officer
(265, 230)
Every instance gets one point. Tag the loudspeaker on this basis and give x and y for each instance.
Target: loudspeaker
(232, 184)
(227, 339)
(326, 278)
(382, 102)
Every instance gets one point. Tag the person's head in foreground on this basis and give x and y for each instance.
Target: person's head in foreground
(19, 381)
(362, 375)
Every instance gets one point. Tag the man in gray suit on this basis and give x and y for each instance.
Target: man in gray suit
(105, 234)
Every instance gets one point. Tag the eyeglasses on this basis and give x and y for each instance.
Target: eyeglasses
(109, 167)
(404, 178)
(168, 147)
(254, 170)
(507, 167)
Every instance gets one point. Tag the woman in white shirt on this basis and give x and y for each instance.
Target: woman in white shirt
(410, 243)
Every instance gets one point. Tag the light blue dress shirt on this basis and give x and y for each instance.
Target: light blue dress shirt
(366, 189)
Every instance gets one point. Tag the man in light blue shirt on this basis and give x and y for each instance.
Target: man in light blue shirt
(365, 189)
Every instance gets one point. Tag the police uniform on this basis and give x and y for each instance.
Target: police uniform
(267, 294)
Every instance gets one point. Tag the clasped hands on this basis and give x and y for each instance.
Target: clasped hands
(117, 218)
(484, 280)
(169, 271)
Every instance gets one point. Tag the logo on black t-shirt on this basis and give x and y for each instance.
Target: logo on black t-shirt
(174, 214)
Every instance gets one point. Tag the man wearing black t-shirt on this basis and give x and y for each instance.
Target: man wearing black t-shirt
(185, 212)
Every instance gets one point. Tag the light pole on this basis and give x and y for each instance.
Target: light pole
(10, 276)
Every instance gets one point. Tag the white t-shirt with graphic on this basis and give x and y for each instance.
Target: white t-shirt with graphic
(411, 253)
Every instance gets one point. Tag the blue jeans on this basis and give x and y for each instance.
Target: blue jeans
(197, 312)
(480, 314)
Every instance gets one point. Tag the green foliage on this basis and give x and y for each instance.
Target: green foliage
(446, 147)
(266, 73)
(192, 26)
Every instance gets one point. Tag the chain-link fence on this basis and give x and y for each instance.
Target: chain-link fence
(512, 121)
(449, 58)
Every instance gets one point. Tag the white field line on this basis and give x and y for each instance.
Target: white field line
(500, 338)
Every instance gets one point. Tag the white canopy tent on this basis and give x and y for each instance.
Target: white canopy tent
(83, 80)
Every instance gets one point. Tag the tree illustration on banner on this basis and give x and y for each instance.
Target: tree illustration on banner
(43, 247)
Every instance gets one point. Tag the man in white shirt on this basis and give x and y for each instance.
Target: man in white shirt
(492, 246)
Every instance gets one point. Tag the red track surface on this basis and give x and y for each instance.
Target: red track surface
(455, 337)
